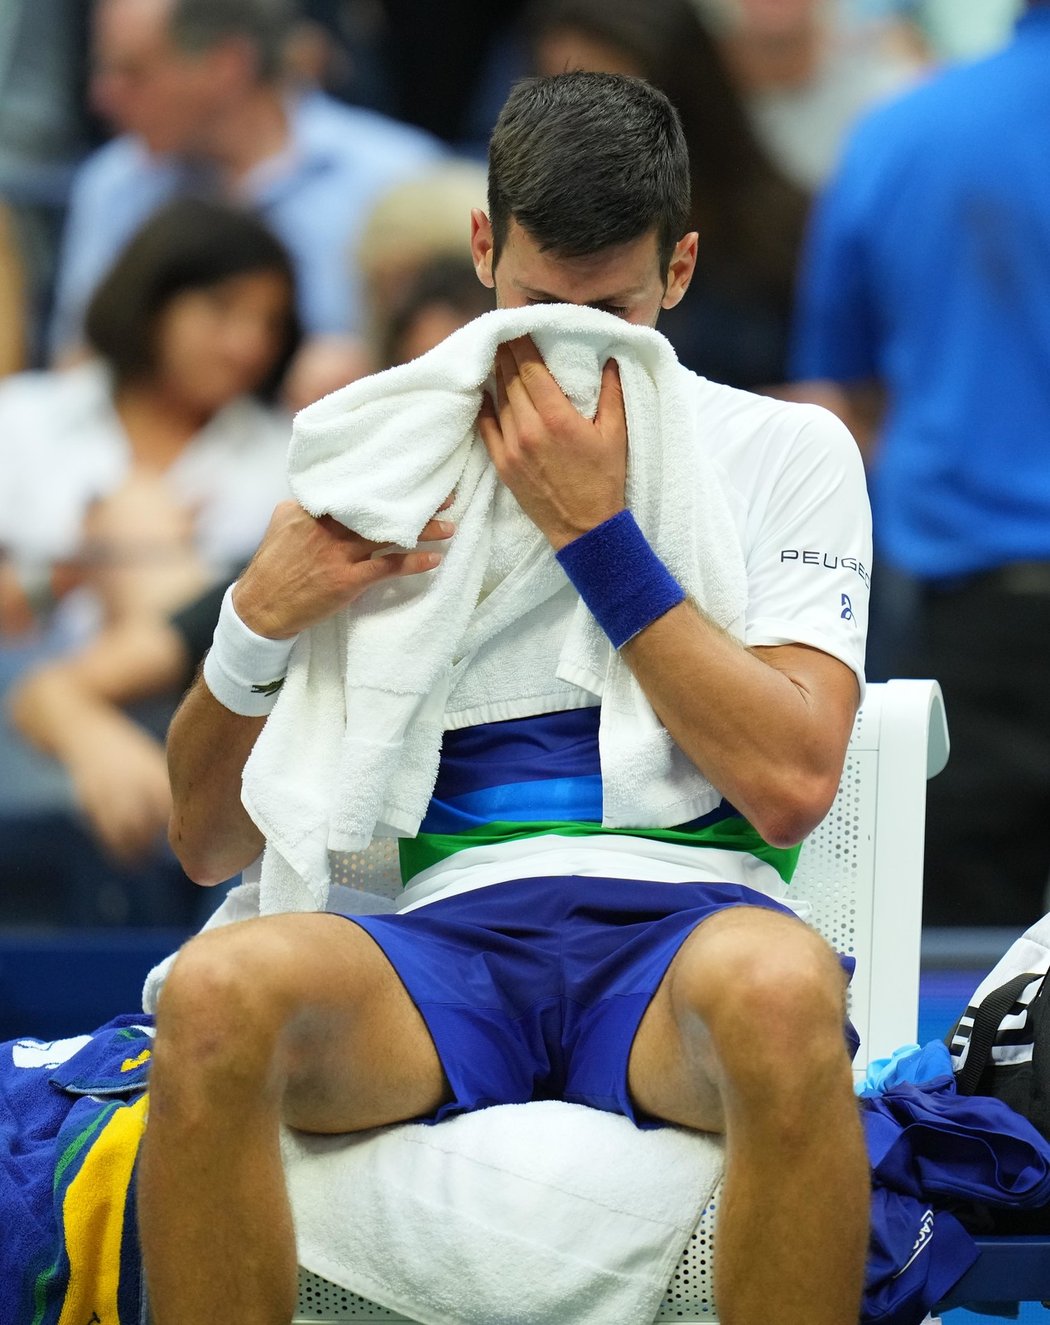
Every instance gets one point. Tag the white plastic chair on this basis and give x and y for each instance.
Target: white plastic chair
(861, 870)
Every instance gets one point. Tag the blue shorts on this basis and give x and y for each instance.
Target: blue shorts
(535, 989)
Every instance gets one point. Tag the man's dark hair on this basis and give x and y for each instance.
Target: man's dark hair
(198, 25)
(583, 161)
(188, 245)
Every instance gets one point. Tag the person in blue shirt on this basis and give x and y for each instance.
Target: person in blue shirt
(923, 301)
(196, 89)
(658, 984)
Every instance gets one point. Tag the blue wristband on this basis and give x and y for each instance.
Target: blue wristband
(620, 577)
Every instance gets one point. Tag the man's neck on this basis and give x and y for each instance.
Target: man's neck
(254, 131)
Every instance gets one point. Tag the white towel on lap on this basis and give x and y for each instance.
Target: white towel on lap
(525, 1215)
(352, 746)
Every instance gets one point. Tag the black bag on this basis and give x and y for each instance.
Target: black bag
(1001, 1044)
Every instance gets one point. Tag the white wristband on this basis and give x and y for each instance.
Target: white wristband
(243, 670)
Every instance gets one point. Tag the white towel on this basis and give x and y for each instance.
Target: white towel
(352, 746)
(532, 1214)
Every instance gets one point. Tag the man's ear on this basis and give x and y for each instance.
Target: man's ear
(680, 269)
(481, 246)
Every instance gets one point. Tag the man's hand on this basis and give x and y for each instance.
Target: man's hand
(305, 569)
(568, 473)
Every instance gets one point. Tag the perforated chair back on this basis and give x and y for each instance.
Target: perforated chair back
(861, 872)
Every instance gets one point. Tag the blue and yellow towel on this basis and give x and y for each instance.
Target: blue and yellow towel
(72, 1114)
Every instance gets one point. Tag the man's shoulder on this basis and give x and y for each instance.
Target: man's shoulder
(721, 408)
(753, 436)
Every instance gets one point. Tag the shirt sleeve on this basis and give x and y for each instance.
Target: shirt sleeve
(809, 557)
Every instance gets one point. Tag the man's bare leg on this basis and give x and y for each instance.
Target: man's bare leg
(745, 1036)
(297, 1018)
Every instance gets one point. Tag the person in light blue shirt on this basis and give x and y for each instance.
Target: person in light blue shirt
(925, 280)
(196, 88)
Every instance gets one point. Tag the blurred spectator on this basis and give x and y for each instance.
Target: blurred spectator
(411, 224)
(893, 24)
(965, 29)
(12, 298)
(732, 324)
(944, 29)
(807, 75)
(340, 47)
(75, 708)
(196, 89)
(195, 316)
(444, 295)
(44, 133)
(925, 288)
(138, 476)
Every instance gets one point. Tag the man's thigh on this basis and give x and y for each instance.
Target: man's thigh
(720, 996)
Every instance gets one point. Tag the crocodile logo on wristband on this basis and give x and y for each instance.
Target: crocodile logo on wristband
(270, 688)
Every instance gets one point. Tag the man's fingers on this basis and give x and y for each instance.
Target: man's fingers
(389, 564)
(611, 413)
(504, 364)
(435, 529)
(525, 354)
(529, 381)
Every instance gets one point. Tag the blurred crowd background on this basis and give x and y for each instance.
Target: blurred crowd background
(212, 212)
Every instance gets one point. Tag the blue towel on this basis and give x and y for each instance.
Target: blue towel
(71, 1116)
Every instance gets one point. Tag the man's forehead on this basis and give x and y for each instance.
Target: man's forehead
(625, 269)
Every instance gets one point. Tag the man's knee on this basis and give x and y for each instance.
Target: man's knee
(228, 999)
(770, 994)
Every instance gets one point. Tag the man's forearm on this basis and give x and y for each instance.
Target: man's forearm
(208, 746)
